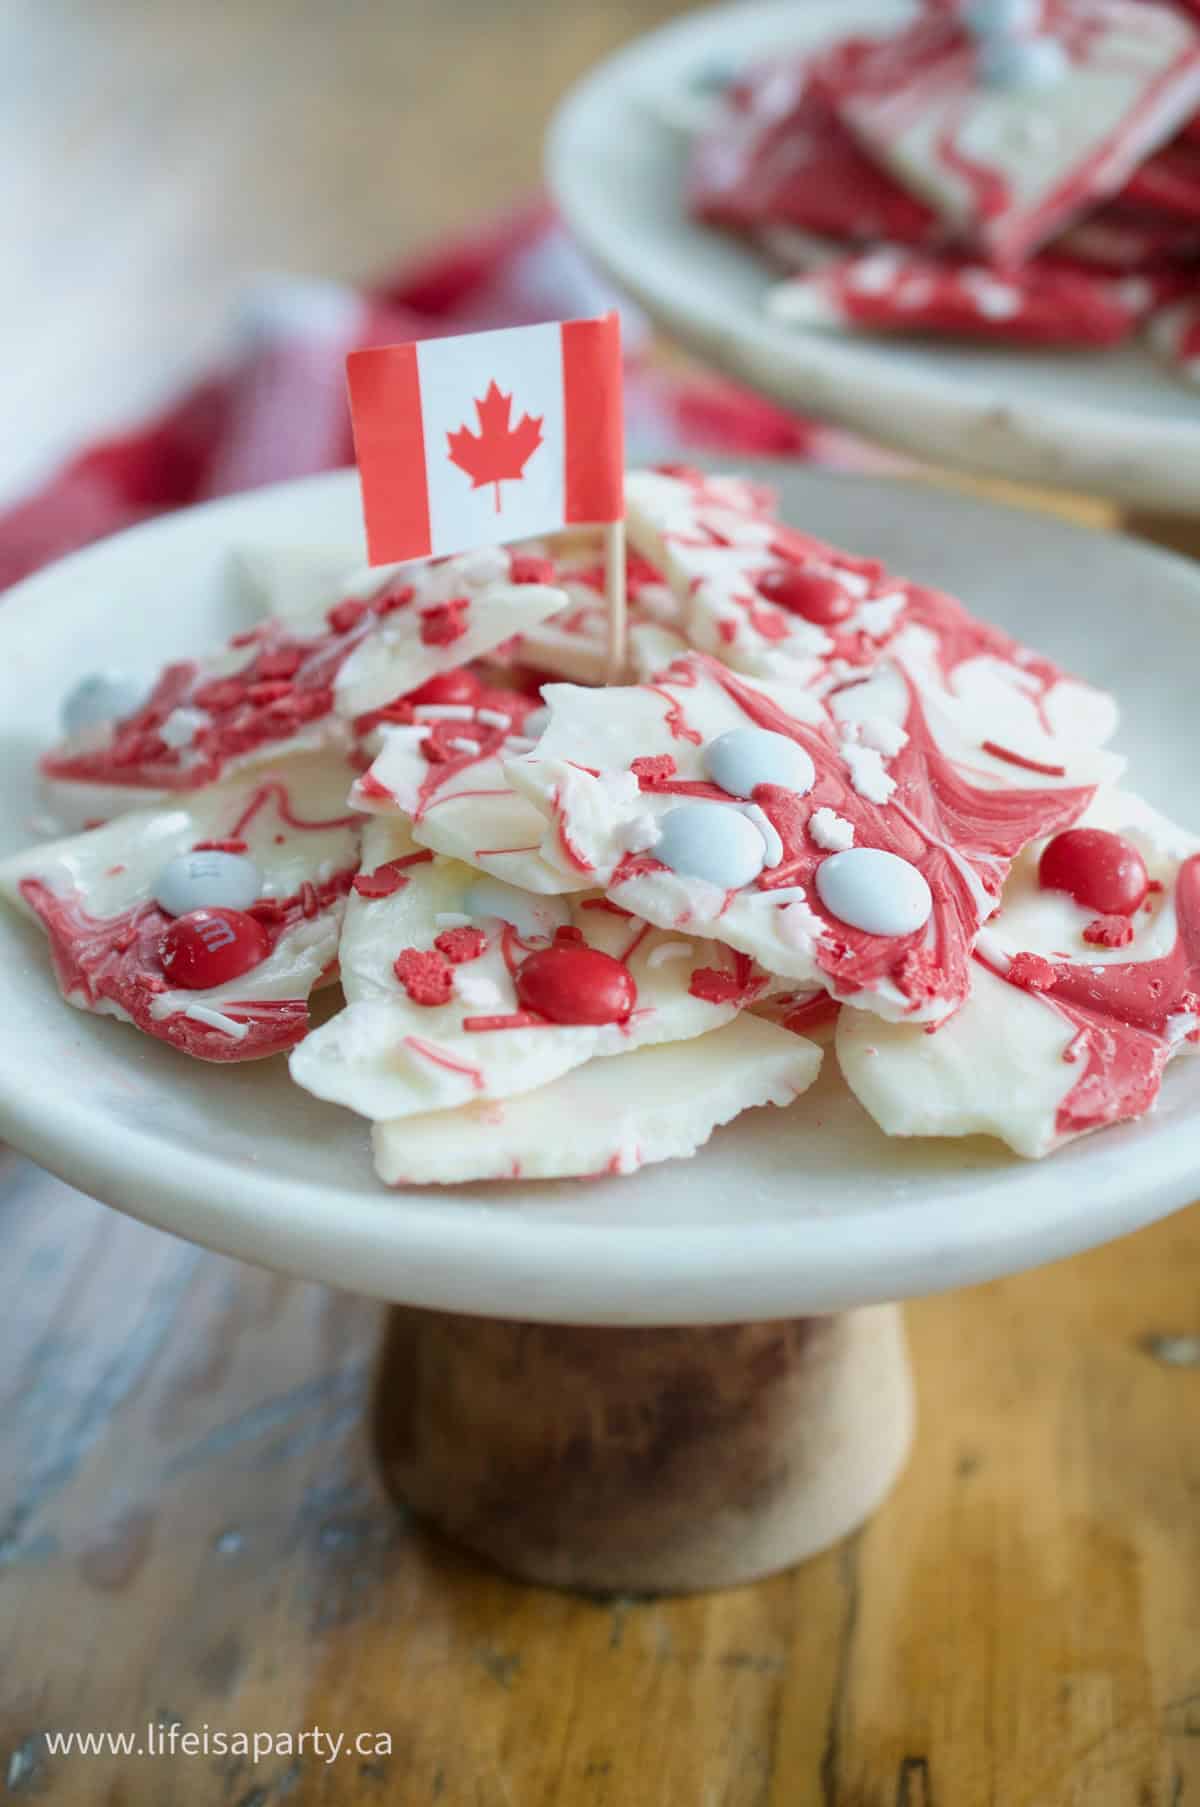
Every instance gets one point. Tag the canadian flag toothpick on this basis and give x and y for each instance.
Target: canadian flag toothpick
(491, 437)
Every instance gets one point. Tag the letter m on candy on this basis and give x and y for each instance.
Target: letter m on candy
(488, 437)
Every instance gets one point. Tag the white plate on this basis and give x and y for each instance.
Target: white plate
(1113, 423)
(784, 1212)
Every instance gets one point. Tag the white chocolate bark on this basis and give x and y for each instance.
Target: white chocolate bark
(610, 1116)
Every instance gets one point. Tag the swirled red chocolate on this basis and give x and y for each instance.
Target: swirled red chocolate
(1010, 156)
(1084, 986)
(205, 923)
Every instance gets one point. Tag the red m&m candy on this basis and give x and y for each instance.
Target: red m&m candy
(1099, 870)
(460, 686)
(212, 946)
(569, 983)
(820, 599)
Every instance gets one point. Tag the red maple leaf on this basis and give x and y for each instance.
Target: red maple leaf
(498, 453)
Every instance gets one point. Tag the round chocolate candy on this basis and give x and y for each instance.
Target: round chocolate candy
(1101, 871)
(874, 891)
(532, 916)
(712, 841)
(575, 984)
(99, 699)
(207, 879)
(207, 948)
(1015, 62)
(744, 758)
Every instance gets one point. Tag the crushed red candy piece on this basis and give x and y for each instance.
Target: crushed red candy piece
(459, 686)
(283, 662)
(426, 975)
(713, 986)
(918, 976)
(274, 690)
(346, 615)
(1032, 973)
(653, 769)
(461, 944)
(443, 624)
(524, 568)
(1109, 931)
(221, 694)
(392, 599)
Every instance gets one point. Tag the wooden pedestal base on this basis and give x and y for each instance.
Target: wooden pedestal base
(635, 1460)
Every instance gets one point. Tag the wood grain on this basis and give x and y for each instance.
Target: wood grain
(191, 1529)
(190, 1525)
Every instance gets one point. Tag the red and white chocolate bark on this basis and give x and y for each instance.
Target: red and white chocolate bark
(859, 847)
(1011, 137)
(1084, 986)
(462, 989)
(778, 156)
(892, 291)
(206, 923)
(292, 685)
(607, 1117)
(444, 773)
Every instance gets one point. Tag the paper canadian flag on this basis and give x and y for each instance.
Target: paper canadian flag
(488, 437)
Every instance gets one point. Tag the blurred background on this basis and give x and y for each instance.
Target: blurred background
(155, 155)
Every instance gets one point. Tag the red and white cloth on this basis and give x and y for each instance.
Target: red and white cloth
(278, 408)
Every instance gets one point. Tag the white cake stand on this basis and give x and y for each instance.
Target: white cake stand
(679, 1379)
(1114, 424)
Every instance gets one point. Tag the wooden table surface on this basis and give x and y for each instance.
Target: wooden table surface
(191, 1531)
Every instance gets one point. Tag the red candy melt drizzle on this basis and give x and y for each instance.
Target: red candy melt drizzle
(939, 822)
(1122, 1011)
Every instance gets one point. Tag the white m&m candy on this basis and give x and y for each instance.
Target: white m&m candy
(713, 842)
(101, 698)
(207, 880)
(988, 18)
(1022, 62)
(874, 891)
(744, 758)
(529, 914)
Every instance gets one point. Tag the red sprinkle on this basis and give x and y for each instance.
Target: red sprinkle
(817, 598)
(220, 847)
(516, 1019)
(346, 615)
(461, 944)
(1109, 931)
(525, 569)
(391, 600)
(284, 662)
(426, 976)
(653, 769)
(385, 881)
(569, 983)
(210, 947)
(443, 624)
(1099, 870)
